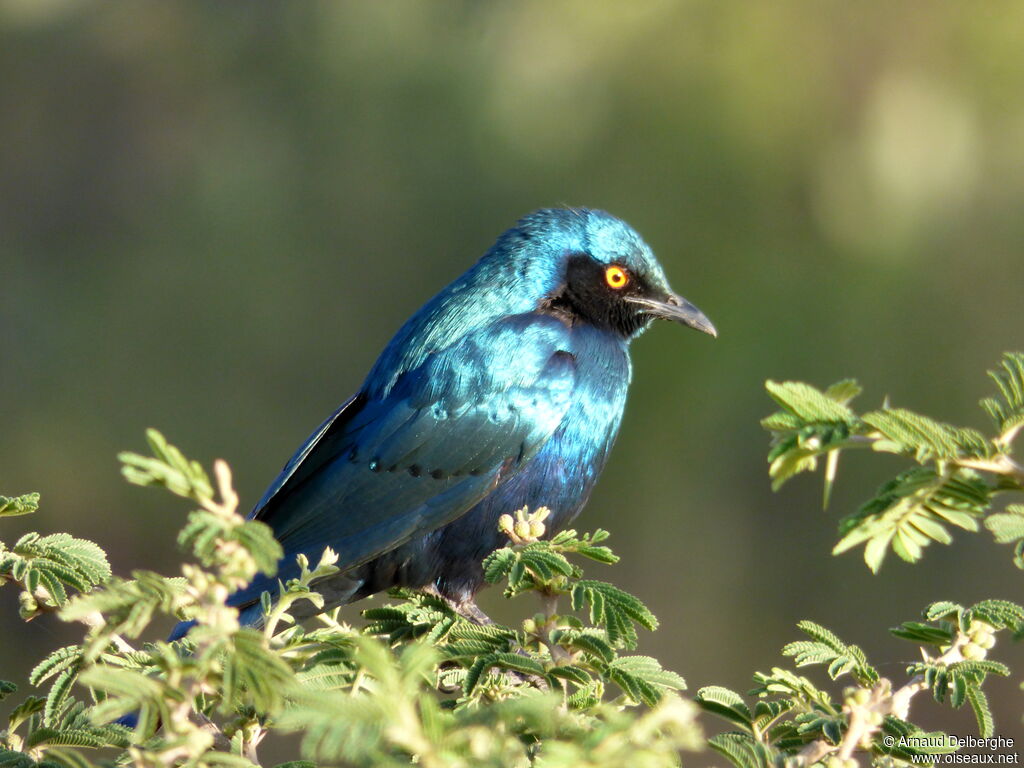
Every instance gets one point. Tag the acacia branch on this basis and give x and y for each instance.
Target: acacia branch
(864, 717)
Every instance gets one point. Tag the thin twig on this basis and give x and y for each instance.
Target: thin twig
(1001, 465)
(883, 701)
(95, 620)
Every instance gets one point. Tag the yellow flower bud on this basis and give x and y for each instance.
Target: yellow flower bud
(973, 652)
(978, 635)
(27, 605)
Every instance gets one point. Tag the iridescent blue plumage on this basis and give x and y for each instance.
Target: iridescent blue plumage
(506, 389)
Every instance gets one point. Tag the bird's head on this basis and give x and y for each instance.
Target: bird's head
(598, 270)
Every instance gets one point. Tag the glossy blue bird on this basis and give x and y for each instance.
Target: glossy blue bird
(505, 390)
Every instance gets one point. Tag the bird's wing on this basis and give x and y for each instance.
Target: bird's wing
(384, 469)
(333, 423)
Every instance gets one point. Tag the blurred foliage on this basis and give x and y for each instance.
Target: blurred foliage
(959, 477)
(215, 215)
(422, 684)
(793, 721)
(435, 689)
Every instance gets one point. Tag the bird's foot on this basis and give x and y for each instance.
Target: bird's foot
(470, 611)
(466, 608)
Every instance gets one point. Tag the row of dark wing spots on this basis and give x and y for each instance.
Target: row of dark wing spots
(415, 470)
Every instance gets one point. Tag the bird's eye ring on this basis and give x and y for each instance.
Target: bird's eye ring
(616, 277)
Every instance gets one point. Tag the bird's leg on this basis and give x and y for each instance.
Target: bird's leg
(470, 611)
(466, 608)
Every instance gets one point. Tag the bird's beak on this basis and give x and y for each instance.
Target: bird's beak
(676, 308)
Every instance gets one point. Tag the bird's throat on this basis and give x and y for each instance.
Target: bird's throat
(576, 307)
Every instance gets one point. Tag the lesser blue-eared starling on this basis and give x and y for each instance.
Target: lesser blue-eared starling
(505, 390)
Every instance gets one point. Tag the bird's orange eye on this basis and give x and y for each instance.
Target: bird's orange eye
(616, 277)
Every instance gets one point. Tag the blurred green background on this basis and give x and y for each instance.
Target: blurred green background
(213, 217)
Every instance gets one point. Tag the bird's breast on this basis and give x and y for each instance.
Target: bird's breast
(563, 472)
(559, 476)
(578, 449)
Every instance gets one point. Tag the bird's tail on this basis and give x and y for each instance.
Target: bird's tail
(180, 630)
(338, 589)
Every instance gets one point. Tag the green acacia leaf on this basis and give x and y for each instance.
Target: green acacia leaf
(874, 552)
(570, 673)
(927, 634)
(1007, 526)
(844, 391)
(598, 554)
(919, 436)
(476, 672)
(742, 750)
(724, 703)
(811, 404)
(518, 663)
(822, 635)
(1008, 410)
(982, 711)
(591, 643)
(650, 671)
(614, 609)
(1001, 614)
(12, 506)
(167, 467)
(942, 609)
(979, 668)
(57, 698)
(252, 672)
(24, 711)
(498, 564)
(912, 510)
